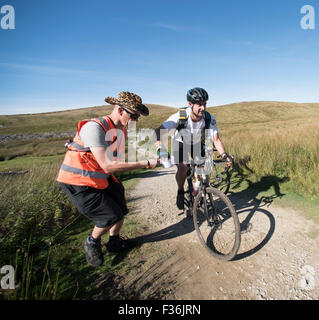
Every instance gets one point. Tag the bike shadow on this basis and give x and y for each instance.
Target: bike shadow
(247, 203)
(246, 226)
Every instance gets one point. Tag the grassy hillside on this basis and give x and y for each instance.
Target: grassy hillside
(61, 121)
(276, 145)
(275, 114)
(280, 139)
(257, 112)
(266, 137)
(276, 149)
(23, 153)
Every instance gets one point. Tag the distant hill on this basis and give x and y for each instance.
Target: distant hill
(264, 111)
(63, 121)
(243, 113)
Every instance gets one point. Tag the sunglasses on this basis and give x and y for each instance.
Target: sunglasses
(133, 116)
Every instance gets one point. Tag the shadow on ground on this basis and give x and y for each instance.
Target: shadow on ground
(144, 174)
(245, 202)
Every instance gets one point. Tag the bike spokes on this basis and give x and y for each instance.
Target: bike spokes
(222, 236)
(217, 225)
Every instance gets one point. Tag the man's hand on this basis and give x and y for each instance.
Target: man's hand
(154, 163)
(163, 153)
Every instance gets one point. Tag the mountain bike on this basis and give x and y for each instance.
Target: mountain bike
(215, 219)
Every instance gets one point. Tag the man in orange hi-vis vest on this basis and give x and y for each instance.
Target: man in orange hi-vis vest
(87, 174)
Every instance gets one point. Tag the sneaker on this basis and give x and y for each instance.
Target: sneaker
(120, 245)
(93, 252)
(180, 199)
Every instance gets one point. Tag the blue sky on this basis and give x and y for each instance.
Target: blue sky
(67, 54)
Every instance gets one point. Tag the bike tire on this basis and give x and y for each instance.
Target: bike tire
(188, 197)
(220, 241)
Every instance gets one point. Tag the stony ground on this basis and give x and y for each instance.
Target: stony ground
(278, 256)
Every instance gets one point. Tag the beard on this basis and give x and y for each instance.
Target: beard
(198, 114)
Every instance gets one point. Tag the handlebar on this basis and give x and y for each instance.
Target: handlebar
(192, 165)
(224, 160)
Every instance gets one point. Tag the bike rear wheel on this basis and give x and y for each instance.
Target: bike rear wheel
(218, 228)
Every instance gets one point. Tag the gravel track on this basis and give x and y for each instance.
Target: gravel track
(278, 259)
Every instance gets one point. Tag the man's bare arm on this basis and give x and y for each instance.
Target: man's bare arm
(111, 166)
(220, 148)
(158, 131)
(218, 144)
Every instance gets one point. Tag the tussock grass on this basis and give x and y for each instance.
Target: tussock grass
(274, 139)
(36, 148)
(41, 234)
(32, 210)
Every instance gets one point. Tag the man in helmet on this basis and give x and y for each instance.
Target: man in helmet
(188, 137)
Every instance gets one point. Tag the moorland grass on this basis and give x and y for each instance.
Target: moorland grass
(41, 235)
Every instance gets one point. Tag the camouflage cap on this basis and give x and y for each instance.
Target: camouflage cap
(130, 101)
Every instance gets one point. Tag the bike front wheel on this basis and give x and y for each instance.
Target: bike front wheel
(188, 203)
(217, 224)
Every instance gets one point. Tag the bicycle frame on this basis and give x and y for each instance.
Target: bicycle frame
(202, 188)
(206, 205)
(205, 168)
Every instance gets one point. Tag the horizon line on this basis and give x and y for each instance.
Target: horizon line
(153, 104)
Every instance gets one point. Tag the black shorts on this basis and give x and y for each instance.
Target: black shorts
(104, 207)
(183, 153)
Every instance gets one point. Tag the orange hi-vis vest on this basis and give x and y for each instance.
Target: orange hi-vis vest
(80, 166)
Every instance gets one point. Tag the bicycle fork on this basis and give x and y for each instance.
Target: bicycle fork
(191, 198)
(209, 223)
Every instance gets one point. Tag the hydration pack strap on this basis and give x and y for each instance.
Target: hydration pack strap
(182, 119)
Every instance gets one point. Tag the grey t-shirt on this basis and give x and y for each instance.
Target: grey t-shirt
(93, 135)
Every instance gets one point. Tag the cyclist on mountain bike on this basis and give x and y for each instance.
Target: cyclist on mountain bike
(191, 124)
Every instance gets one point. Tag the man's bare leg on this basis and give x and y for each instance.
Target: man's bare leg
(114, 230)
(181, 175)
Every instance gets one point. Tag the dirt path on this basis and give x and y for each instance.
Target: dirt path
(278, 259)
